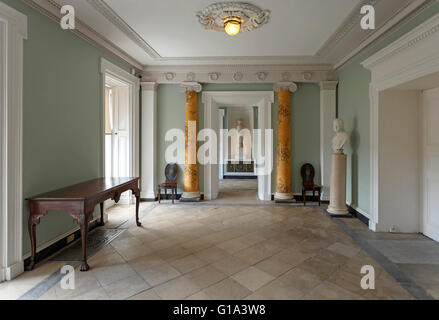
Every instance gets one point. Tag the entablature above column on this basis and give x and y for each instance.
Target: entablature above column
(239, 73)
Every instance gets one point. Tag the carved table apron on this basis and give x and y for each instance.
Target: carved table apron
(79, 201)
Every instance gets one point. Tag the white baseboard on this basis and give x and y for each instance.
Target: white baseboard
(359, 210)
(14, 270)
(147, 195)
(2, 274)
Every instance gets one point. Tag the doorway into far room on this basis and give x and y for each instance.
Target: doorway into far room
(236, 172)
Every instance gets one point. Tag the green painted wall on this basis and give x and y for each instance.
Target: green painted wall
(61, 115)
(354, 109)
(305, 124)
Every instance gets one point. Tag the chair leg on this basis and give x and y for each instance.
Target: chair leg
(172, 195)
(158, 194)
(320, 194)
(304, 197)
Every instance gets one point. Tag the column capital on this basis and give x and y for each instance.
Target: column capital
(149, 86)
(285, 85)
(187, 86)
(328, 85)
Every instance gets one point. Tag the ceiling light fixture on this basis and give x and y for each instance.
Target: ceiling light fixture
(232, 17)
(232, 25)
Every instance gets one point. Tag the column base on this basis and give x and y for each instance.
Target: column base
(190, 197)
(283, 196)
(338, 211)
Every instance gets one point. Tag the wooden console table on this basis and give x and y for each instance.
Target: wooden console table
(79, 201)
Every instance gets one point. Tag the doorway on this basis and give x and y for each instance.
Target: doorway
(263, 100)
(409, 157)
(120, 128)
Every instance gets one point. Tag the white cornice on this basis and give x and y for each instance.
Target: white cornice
(424, 32)
(51, 9)
(105, 10)
(346, 27)
(412, 9)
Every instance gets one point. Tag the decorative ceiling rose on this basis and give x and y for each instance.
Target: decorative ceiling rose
(232, 17)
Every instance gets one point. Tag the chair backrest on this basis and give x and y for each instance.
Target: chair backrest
(307, 172)
(171, 172)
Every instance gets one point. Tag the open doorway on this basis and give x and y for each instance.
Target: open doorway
(120, 131)
(409, 157)
(262, 101)
(237, 171)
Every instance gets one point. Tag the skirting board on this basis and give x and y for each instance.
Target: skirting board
(309, 198)
(60, 244)
(165, 197)
(233, 177)
(358, 215)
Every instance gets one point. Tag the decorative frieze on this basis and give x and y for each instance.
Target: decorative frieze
(244, 74)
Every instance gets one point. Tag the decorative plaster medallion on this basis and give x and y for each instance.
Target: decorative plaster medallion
(238, 76)
(261, 76)
(214, 76)
(307, 76)
(169, 76)
(190, 76)
(286, 76)
(213, 16)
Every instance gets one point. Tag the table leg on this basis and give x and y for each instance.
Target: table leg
(83, 225)
(137, 209)
(33, 241)
(102, 214)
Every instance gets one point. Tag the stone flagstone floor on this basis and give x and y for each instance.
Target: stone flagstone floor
(222, 250)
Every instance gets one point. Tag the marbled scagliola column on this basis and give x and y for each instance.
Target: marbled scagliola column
(191, 189)
(283, 180)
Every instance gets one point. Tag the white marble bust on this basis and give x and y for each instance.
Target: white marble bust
(340, 137)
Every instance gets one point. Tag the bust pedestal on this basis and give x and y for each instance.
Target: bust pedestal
(337, 197)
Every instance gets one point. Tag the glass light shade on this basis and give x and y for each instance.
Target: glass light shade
(232, 26)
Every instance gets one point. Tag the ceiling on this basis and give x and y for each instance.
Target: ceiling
(166, 32)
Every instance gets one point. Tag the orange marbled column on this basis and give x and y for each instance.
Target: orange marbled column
(191, 191)
(283, 181)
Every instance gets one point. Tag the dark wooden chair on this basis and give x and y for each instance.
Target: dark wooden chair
(307, 172)
(171, 172)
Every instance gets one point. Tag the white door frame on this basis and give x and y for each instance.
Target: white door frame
(412, 56)
(108, 68)
(212, 100)
(13, 31)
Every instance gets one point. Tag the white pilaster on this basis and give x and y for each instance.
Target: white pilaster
(13, 31)
(327, 116)
(149, 140)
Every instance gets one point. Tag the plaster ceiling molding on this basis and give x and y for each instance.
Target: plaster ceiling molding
(51, 9)
(169, 76)
(214, 76)
(238, 76)
(285, 85)
(188, 86)
(307, 76)
(213, 16)
(190, 76)
(261, 75)
(105, 10)
(346, 27)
